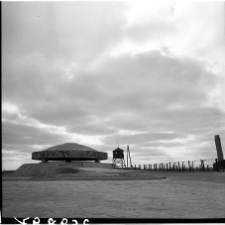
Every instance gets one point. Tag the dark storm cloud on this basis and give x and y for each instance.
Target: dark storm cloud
(141, 85)
(19, 134)
(141, 93)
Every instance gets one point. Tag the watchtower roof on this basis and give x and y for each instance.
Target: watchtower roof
(118, 150)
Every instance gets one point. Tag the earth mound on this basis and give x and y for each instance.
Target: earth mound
(67, 170)
(79, 171)
(53, 169)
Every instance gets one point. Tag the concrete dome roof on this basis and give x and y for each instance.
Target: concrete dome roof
(70, 147)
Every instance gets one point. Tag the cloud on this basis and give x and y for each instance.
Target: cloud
(150, 76)
(27, 135)
(129, 86)
(142, 138)
(64, 31)
(187, 28)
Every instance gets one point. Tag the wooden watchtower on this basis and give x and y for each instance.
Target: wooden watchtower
(118, 158)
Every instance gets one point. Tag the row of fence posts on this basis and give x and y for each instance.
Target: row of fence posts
(177, 166)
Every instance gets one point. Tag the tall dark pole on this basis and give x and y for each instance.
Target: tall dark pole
(219, 148)
(127, 156)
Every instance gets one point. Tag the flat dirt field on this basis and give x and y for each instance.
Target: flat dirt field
(179, 195)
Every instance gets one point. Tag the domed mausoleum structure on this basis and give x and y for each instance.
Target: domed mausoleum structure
(69, 152)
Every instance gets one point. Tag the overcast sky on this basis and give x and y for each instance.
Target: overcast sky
(150, 75)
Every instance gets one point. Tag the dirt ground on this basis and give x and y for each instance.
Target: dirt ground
(179, 195)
